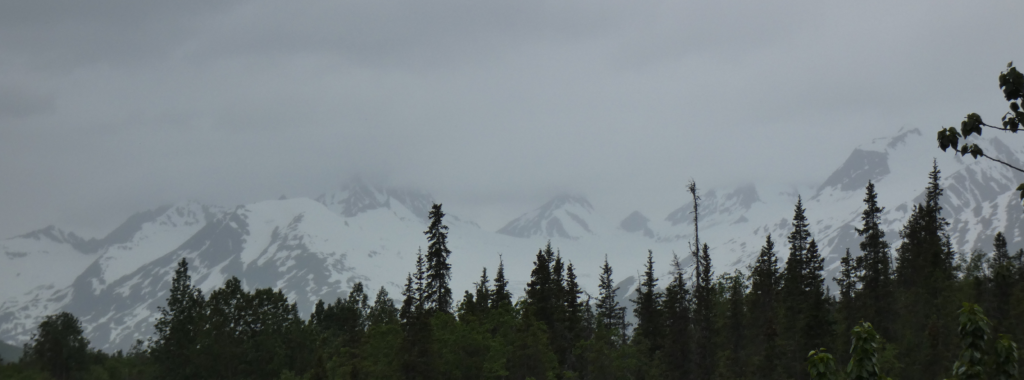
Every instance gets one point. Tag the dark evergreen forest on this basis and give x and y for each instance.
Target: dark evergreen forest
(918, 310)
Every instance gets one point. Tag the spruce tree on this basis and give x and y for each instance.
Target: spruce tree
(559, 333)
(437, 293)
(502, 297)
(418, 359)
(420, 283)
(764, 287)
(794, 277)
(575, 329)
(847, 313)
(406, 313)
(847, 282)
(923, 278)
(649, 327)
(483, 292)
(874, 266)
(540, 292)
(571, 299)
(732, 352)
(818, 328)
(609, 314)
(383, 312)
(806, 309)
(1002, 284)
(677, 354)
(412, 305)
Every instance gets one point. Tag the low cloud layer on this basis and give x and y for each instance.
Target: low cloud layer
(108, 108)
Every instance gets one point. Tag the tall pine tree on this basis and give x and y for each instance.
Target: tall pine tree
(764, 288)
(924, 274)
(502, 297)
(437, 294)
(677, 355)
(806, 308)
(648, 309)
(874, 267)
(610, 315)
(1003, 272)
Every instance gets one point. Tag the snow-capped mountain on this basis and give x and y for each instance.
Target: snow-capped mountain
(565, 216)
(63, 267)
(317, 248)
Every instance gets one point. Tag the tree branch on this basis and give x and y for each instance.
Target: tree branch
(999, 128)
(1002, 162)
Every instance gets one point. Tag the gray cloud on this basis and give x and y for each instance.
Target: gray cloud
(492, 106)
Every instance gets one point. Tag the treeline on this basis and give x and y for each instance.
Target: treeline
(894, 314)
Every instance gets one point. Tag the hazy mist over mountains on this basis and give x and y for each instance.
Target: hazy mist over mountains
(316, 248)
(299, 145)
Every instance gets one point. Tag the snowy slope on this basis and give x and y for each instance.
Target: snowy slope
(42, 260)
(317, 248)
(564, 216)
(979, 201)
(137, 241)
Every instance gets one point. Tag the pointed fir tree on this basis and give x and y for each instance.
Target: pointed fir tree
(418, 359)
(412, 305)
(609, 314)
(848, 314)
(502, 297)
(647, 309)
(805, 304)
(483, 292)
(794, 277)
(874, 266)
(1002, 283)
(558, 289)
(923, 278)
(420, 283)
(572, 301)
(764, 288)
(924, 258)
(540, 296)
(575, 329)
(437, 293)
(405, 314)
(677, 353)
(732, 358)
(818, 329)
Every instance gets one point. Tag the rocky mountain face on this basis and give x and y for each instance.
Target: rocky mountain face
(317, 248)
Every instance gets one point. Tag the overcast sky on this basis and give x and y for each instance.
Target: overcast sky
(113, 107)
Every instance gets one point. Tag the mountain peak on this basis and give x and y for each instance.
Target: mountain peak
(859, 168)
(636, 222)
(732, 204)
(52, 233)
(888, 143)
(359, 196)
(564, 216)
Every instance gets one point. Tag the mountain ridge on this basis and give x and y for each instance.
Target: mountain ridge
(316, 248)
